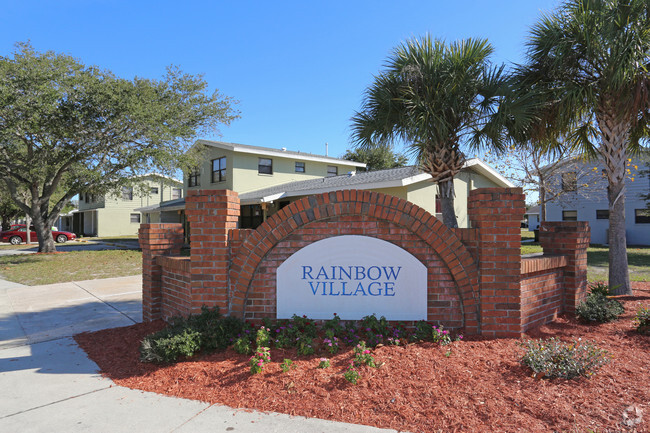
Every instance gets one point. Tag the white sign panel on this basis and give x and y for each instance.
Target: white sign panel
(352, 276)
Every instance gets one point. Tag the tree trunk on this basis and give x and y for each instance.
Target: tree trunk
(542, 204)
(619, 277)
(42, 227)
(613, 151)
(447, 203)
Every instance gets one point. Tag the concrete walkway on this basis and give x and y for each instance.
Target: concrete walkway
(49, 385)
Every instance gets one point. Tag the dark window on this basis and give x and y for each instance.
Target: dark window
(300, 167)
(194, 178)
(176, 193)
(569, 181)
(332, 170)
(127, 193)
(569, 215)
(219, 169)
(154, 190)
(265, 166)
(602, 214)
(135, 218)
(86, 198)
(438, 204)
(642, 216)
(251, 216)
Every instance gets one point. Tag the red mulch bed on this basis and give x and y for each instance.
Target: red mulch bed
(480, 387)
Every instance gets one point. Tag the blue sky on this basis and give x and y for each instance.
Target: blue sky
(298, 68)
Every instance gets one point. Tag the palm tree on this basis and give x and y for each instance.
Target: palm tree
(431, 96)
(586, 80)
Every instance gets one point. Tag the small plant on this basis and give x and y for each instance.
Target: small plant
(305, 345)
(440, 336)
(423, 330)
(351, 374)
(598, 308)
(642, 321)
(261, 357)
(286, 365)
(243, 345)
(552, 358)
(394, 341)
(334, 326)
(363, 356)
(331, 343)
(601, 288)
(323, 363)
(263, 337)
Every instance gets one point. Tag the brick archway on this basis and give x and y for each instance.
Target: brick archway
(332, 206)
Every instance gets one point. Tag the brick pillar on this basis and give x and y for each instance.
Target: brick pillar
(156, 240)
(211, 214)
(496, 213)
(571, 239)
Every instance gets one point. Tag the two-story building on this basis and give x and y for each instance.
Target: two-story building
(583, 197)
(269, 179)
(115, 214)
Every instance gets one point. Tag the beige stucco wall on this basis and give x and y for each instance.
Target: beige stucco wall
(242, 171)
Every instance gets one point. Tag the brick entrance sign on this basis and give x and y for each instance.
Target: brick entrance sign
(475, 279)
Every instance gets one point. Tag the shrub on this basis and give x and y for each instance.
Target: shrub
(362, 355)
(261, 357)
(642, 321)
(599, 309)
(552, 358)
(168, 345)
(600, 288)
(184, 336)
(305, 346)
(351, 375)
(286, 365)
(243, 344)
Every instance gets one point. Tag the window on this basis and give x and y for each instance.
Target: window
(569, 181)
(154, 190)
(194, 178)
(602, 214)
(642, 216)
(332, 170)
(265, 166)
(569, 215)
(127, 193)
(176, 193)
(219, 169)
(135, 218)
(251, 216)
(300, 167)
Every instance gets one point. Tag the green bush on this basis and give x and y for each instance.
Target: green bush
(166, 346)
(598, 308)
(642, 321)
(552, 358)
(184, 336)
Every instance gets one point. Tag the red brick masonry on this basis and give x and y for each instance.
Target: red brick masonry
(477, 279)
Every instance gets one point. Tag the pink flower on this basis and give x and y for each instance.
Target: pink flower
(323, 359)
(366, 352)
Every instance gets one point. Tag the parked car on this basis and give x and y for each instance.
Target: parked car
(18, 234)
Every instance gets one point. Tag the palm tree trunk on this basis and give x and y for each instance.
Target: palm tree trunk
(619, 277)
(613, 151)
(447, 203)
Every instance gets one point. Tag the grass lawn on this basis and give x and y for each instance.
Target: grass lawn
(597, 261)
(37, 269)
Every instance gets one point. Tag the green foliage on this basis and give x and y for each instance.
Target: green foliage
(323, 363)
(286, 365)
(377, 158)
(242, 345)
(331, 342)
(263, 338)
(432, 96)
(598, 308)
(600, 288)
(206, 331)
(305, 345)
(552, 358)
(261, 357)
(168, 345)
(67, 128)
(642, 321)
(362, 355)
(351, 374)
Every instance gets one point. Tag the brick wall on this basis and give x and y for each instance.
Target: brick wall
(477, 278)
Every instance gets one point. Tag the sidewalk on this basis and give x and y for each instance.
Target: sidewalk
(49, 385)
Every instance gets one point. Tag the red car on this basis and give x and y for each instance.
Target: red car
(18, 234)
